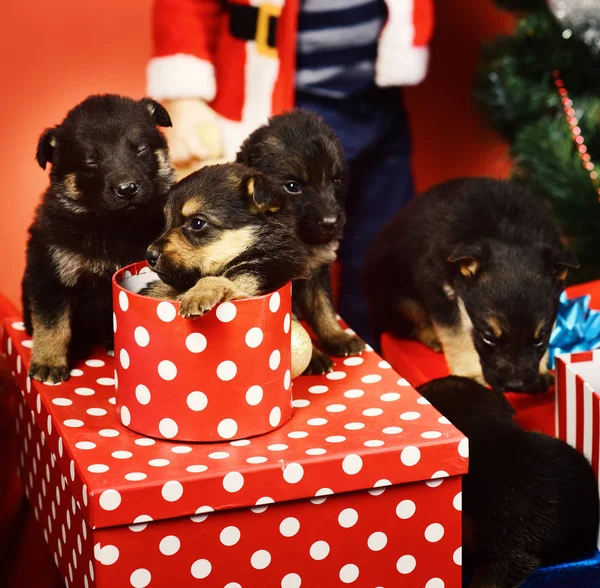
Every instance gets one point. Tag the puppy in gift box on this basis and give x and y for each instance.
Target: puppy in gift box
(230, 234)
(473, 267)
(528, 501)
(304, 156)
(108, 184)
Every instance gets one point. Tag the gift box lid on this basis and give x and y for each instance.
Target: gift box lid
(360, 427)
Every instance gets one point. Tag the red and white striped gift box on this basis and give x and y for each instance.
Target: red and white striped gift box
(578, 403)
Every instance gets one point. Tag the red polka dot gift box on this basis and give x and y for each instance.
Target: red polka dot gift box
(360, 487)
(224, 376)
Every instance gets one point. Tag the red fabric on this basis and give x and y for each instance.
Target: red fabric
(230, 65)
(186, 26)
(418, 364)
(283, 94)
(424, 22)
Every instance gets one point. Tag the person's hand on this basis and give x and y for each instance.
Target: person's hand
(195, 136)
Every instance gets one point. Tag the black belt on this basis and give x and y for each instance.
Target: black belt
(244, 23)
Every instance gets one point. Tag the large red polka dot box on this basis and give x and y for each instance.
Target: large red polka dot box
(361, 487)
(226, 375)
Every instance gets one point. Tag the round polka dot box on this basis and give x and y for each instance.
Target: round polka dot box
(224, 376)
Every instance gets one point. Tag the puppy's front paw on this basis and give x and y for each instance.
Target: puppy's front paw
(319, 364)
(543, 384)
(198, 301)
(49, 374)
(343, 345)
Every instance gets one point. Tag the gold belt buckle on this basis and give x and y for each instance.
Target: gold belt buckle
(265, 11)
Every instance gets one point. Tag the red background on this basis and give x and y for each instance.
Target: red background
(54, 54)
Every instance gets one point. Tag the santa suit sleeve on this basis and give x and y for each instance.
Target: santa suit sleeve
(403, 51)
(184, 35)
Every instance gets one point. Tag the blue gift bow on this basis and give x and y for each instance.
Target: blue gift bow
(577, 328)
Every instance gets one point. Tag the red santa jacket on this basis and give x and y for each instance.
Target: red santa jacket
(241, 56)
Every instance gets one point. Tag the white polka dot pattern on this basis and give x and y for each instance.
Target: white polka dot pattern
(324, 462)
(160, 356)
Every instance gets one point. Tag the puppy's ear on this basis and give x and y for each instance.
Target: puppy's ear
(158, 112)
(263, 194)
(561, 262)
(46, 147)
(468, 259)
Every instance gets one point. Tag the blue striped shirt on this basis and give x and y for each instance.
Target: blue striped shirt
(337, 45)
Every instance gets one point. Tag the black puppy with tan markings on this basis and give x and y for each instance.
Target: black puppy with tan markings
(474, 267)
(304, 156)
(529, 500)
(230, 234)
(108, 184)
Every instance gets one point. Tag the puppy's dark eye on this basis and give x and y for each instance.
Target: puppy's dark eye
(293, 187)
(142, 149)
(197, 224)
(539, 343)
(489, 340)
(337, 182)
(90, 164)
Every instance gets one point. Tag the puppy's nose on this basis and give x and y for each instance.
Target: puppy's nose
(152, 255)
(127, 190)
(329, 221)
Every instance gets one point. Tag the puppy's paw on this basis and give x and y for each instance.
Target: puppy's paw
(343, 345)
(544, 382)
(160, 290)
(428, 337)
(319, 364)
(49, 374)
(198, 301)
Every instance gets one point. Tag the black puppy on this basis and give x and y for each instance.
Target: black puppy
(230, 234)
(305, 156)
(528, 500)
(475, 267)
(109, 179)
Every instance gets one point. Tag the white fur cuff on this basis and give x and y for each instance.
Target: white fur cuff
(401, 65)
(181, 76)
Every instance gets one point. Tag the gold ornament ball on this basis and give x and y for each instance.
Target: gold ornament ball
(301, 349)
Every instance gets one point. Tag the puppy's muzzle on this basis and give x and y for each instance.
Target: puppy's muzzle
(152, 255)
(127, 190)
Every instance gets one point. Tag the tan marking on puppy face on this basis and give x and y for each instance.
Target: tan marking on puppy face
(70, 187)
(192, 206)
(459, 349)
(70, 266)
(51, 342)
(544, 363)
(212, 257)
(495, 326)
(449, 291)
(562, 273)
(250, 187)
(69, 195)
(538, 328)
